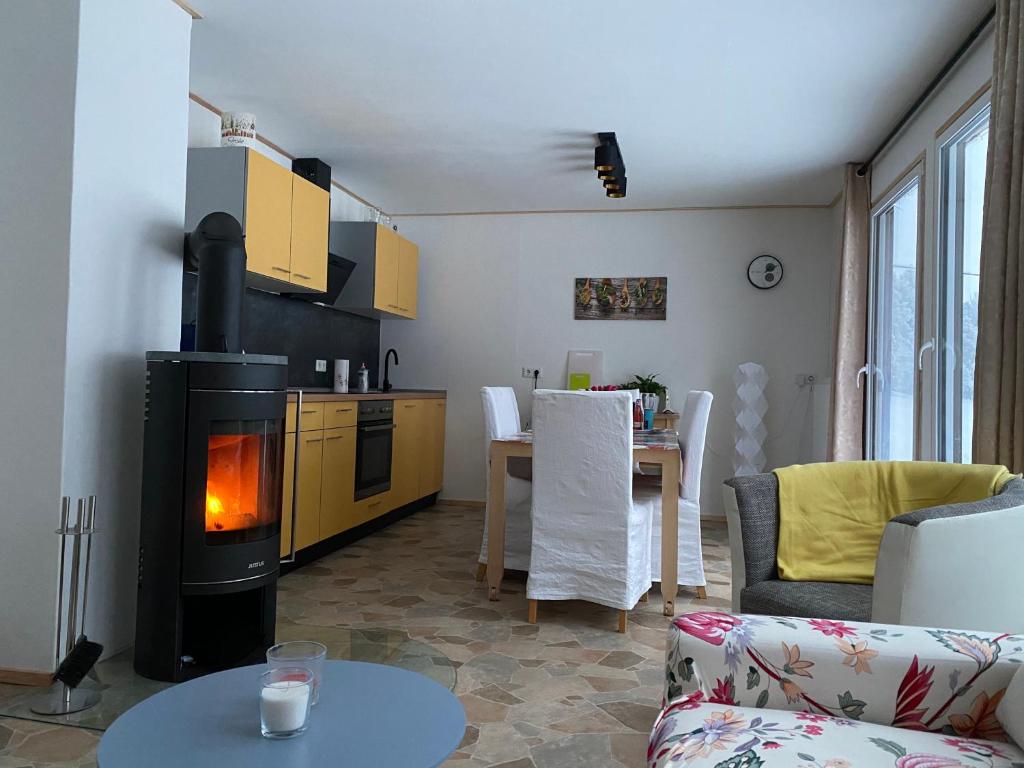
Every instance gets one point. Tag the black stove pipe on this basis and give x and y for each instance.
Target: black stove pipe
(217, 248)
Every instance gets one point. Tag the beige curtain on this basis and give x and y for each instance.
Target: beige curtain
(846, 429)
(999, 369)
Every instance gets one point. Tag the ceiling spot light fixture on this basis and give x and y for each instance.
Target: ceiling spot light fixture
(611, 170)
(618, 189)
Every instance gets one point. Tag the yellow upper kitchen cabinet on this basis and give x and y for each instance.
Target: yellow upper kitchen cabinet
(408, 277)
(385, 282)
(311, 213)
(284, 218)
(385, 279)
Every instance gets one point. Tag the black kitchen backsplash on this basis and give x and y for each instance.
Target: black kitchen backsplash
(305, 332)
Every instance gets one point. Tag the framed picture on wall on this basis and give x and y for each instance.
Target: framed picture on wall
(620, 298)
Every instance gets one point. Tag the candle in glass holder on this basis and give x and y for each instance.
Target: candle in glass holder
(285, 695)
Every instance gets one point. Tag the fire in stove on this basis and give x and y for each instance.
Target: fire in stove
(233, 482)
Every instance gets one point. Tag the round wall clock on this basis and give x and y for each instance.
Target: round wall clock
(764, 272)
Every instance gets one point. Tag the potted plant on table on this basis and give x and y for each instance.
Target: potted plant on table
(649, 385)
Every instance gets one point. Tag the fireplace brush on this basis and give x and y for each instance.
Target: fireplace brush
(81, 654)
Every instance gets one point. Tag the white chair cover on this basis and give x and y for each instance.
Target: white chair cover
(590, 540)
(693, 427)
(501, 417)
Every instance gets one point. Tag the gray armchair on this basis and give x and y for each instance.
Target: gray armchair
(957, 565)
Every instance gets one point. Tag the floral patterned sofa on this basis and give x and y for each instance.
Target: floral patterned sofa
(743, 691)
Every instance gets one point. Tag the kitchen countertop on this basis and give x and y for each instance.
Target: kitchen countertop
(322, 394)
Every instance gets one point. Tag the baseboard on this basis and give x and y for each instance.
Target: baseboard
(25, 677)
(471, 503)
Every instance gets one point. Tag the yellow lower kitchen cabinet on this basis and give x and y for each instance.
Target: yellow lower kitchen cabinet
(373, 507)
(431, 469)
(307, 511)
(337, 486)
(407, 451)
(325, 487)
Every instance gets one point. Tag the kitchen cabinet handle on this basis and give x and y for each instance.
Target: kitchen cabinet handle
(295, 484)
(335, 437)
(409, 405)
(281, 269)
(314, 439)
(378, 428)
(342, 410)
(313, 411)
(302, 276)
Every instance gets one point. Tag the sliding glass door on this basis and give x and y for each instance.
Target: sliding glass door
(923, 321)
(891, 372)
(962, 191)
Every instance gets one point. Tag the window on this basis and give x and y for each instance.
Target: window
(961, 205)
(891, 370)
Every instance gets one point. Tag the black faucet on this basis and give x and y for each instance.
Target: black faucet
(386, 386)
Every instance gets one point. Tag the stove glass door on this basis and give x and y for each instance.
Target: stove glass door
(242, 481)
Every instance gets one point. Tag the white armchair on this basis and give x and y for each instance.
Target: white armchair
(591, 540)
(501, 418)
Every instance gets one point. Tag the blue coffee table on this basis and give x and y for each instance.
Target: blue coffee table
(368, 715)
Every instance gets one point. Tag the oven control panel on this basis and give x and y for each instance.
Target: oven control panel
(376, 410)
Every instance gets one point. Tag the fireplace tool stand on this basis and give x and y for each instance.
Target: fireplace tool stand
(79, 654)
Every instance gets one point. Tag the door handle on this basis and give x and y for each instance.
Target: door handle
(379, 428)
(335, 437)
(928, 345)
(301, 276)
(342, 410)
(314, 439)
(313, 411)
(281, 269)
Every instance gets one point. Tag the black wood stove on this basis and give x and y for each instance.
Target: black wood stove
(211, 491)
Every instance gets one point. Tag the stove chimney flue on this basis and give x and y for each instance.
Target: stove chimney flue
(217, 248)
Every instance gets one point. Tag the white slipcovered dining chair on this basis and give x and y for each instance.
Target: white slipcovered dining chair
(591, 540)
(693, 427)
(501, 418)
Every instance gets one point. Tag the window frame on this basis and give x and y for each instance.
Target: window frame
(915, 175)
(948, 279)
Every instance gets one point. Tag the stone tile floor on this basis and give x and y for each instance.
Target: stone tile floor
(569, 691)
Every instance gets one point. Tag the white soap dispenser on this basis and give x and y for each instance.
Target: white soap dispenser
(364, 378)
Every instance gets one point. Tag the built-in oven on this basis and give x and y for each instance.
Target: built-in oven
(375, 430)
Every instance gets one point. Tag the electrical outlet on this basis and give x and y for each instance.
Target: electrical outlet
(527, 372)
(806, 379)
(321, 366)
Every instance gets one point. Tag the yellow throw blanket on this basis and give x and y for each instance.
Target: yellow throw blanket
(831, 515)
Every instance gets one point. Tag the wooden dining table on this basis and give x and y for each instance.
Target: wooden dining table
(660, 446)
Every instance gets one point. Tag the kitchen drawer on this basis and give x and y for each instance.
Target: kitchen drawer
(372, 507)
(340, 413)
(312, 417)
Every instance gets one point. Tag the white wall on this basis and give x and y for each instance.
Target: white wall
(496, 294)
(128, 210)
(38, 46)
(204, 131)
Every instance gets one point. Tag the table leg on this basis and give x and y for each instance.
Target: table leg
(496, 519)
(669, 530)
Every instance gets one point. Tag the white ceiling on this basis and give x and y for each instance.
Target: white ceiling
(489, 105)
